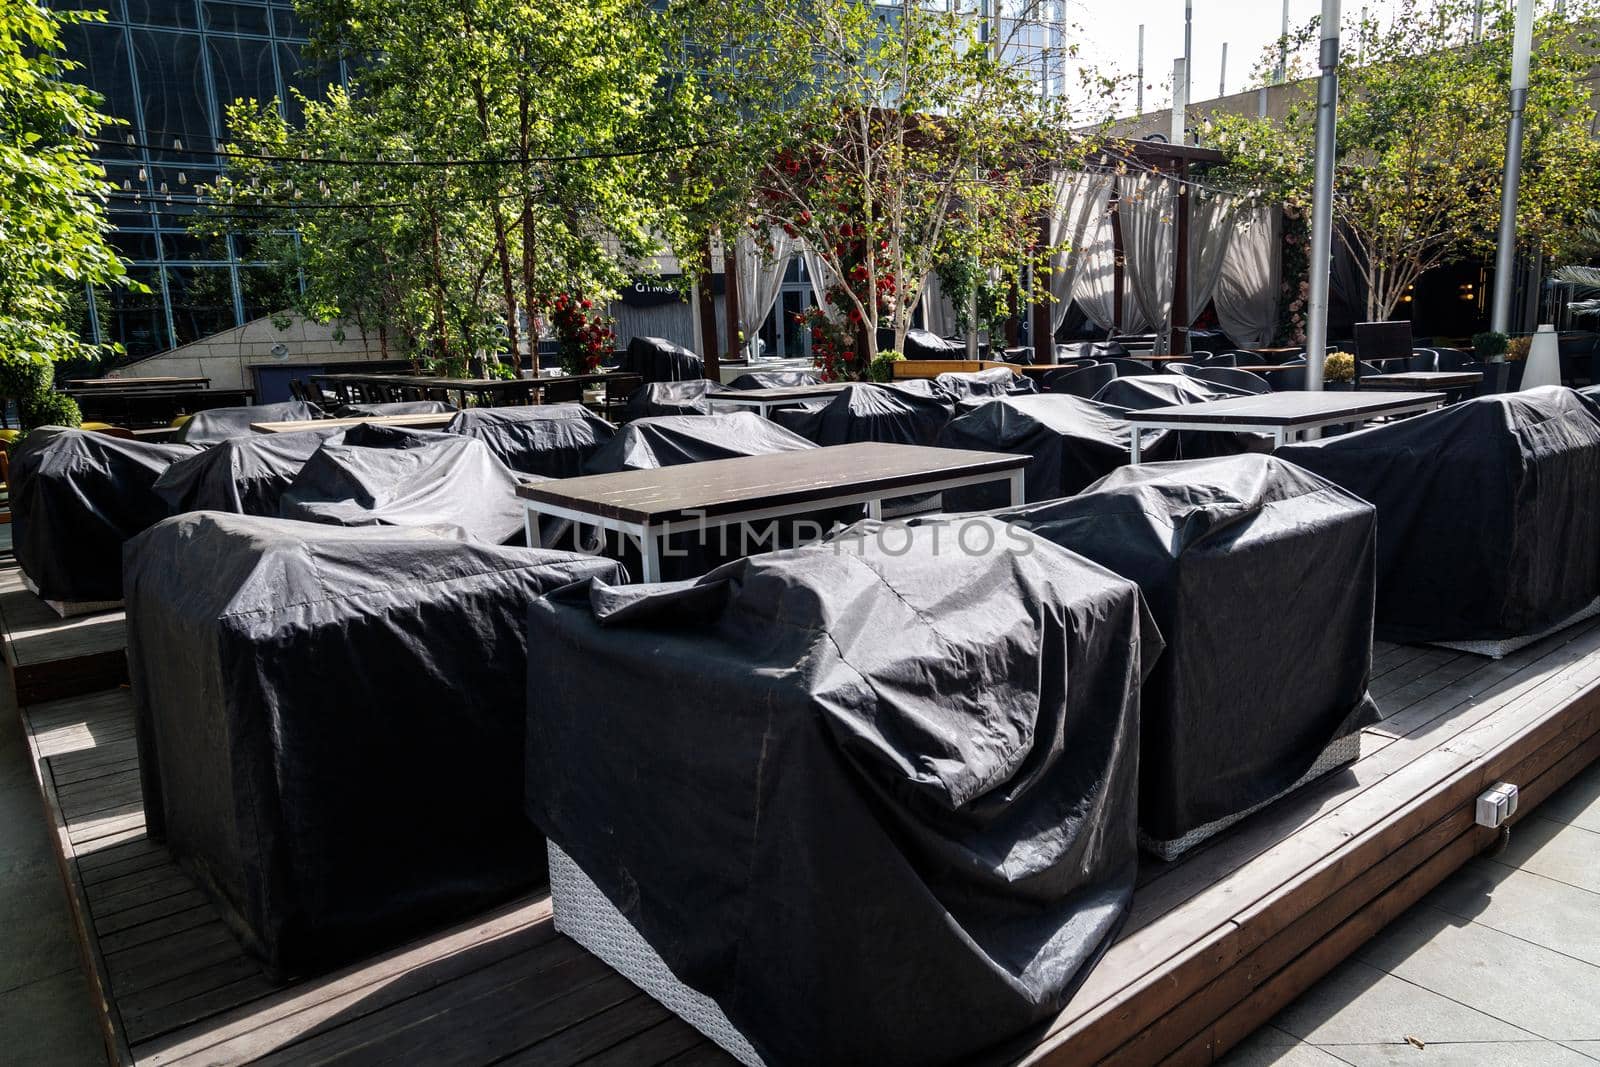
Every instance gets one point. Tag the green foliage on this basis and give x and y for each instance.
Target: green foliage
(50, 409)
(1339, 367)
(882, 367)
(1421, 146)
(52, 196)
(1489, 345)
(25, 376)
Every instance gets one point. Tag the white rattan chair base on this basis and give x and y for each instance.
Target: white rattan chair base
(584, 914)
(1500, 649)
(1345, 750)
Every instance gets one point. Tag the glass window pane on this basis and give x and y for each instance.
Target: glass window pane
(288, 24)
(309, 77)
(178, 14)
(173, 91)
(135, 245)
(135, 319)
(236, 18)
(202, 301)
(242, 69)
(101, 53)
(264, 291)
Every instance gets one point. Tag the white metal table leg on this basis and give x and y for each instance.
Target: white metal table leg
(650, 553)
(1018, 496)
(530, 519)
(1133, 449)
(875, 508)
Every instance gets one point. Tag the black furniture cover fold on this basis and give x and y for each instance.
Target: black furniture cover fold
(551, 440)
(219, 424)
(1486, 513)
(876, 800)
(667, 440)
(453, 485)
(863, 412)
(925, 344)
(393, 407)
(1140, 392)
(656, 359)
(243, 475)
(775, 379)
(1071, 443)
(691, 397)
(1261, 578)
(76, 496)
(331, 724)
(996, 381)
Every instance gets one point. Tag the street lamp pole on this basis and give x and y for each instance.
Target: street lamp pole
(1322, 196)
(1505, 252)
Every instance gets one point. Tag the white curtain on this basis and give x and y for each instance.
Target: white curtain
(1248, 284)
(760, 275)
(1093, 279)
(1148, 208)
(1212, 217)
(1080, 205)
(938, 314)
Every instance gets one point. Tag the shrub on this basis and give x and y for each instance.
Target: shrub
(882, 369)
(50, 409)
(1339, 367)
(1488, 344)
(24, 378)
(1517, 348)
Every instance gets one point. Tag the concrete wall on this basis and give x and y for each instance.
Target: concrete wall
(225, 357)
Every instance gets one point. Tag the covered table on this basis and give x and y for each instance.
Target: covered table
(454, 485)
(393, 407)
(333, 753)
(775, 379)
(1486, 515)
(668, 440)
(551, 440)
(862, 412)
(1070, 442)
(219, 424)
(1261, 577)
(996, 381)
(866, 804)
(76, 496)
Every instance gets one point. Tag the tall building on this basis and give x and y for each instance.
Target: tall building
(168, 69)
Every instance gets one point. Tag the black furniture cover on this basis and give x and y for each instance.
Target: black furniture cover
(775, 379)
(453, 485)
(667, 440)
(393, 407)
(330, 724)
(925, 344)
(876, 802)
(219, 424)
(996, 381)
(1261, 578)
(656, 359)
(1140, 392)
(552, 440)
(76, 496)
(244, 475)
(691, 397)
(1486, 513)
(1071, 442)
(862, 412)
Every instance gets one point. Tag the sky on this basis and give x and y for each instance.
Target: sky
(1109, 38)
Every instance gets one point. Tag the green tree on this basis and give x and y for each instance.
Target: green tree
(52, 195)
(1423, 112)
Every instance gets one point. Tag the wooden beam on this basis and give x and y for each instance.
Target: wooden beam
(1044, 350)
(730, 298)
(1178, 332)
(712, 365)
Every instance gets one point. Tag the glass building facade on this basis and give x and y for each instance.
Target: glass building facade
(169, 69)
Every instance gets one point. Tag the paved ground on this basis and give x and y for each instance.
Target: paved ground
(1500, 965)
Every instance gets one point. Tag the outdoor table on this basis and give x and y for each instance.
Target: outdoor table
(1283, 415)
(764, 400)
(154, 405)
(173, 382)
(414, 422)
(650, 505)
(1146, 357)
(1423, 379)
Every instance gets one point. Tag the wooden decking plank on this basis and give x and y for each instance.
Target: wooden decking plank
(594, 1036)
(147, 1023)
(164, 908)
(138, 968)
(108, 903)
(155, 930)
(134, 879)
(1430, 660)
(656, 1045)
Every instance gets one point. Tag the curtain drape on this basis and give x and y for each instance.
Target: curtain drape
(1147, 205)
(1248, 283)
(1080, 205)
(760, 275)
(938, 314)
(1094, 278)
(1212, 220)
(820, 276)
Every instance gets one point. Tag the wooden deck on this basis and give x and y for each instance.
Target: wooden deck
(1217, 942)
(50, 657)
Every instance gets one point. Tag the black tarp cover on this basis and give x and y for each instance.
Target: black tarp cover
(996, 381)
(244, 475)
(76, 496)
(219, 424)
(925, 344)
(453, 485)
(670, 398)
(875, 800)
(1140, 392)
(1486, 513)
(863, 412)
(656, 359)
(552, 440)
(394, 407)
(667, 440)
(1261, 578)
(1071, 442)
(775, 379)
(333, 718)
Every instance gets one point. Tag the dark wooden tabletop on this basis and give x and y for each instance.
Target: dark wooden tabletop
(1283, 409)
(747, 483)
(1423, 379)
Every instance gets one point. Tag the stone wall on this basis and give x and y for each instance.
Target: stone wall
(226, 357)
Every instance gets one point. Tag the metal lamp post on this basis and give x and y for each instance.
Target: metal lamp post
(1505, 252)
(1322, 197)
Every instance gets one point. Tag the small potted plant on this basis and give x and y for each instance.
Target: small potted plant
(1489, 346)
(1339, 372)
(1516, 361)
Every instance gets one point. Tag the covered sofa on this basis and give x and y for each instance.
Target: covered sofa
(550, 440)
(691, 397)
(1071, 442)
(1261, 577)
(996, 381)
(215, 425)
(330, 724)
(775, 379)
(864, 412)
(1486, 514)
(76, 496)
(656, 359)
(244, 475)
(866, 803)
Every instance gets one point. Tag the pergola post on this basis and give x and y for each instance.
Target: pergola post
(712, 365)
(730, 289)
(1178, 318)
(1322, 198)
(1043, 337)
(1505, 251)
